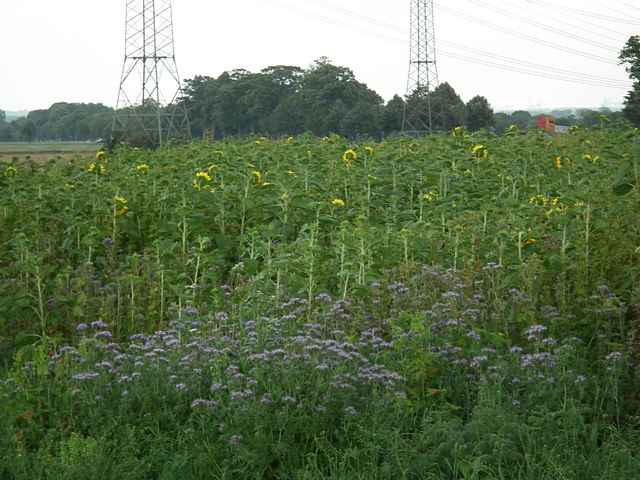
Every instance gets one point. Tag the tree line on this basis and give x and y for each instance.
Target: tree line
(322, 99)
(60, 122)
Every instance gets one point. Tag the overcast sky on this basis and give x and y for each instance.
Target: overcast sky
(72, 50)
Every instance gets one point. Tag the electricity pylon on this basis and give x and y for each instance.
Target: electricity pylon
(149, 110)
(423, 70)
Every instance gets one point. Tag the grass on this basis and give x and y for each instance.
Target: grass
(456, 307)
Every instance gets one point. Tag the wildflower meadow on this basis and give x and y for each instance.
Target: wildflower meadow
(460, 306)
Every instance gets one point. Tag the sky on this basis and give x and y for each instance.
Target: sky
(72, 50)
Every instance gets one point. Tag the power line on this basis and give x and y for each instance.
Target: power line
(510, 68)
(531, 38)
(544, 26)
(608, 18)
(553, 70)
(599, 26)
(465, 48)
(628, 5)
(522, 66)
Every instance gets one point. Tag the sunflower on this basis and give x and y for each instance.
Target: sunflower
(558, 162)
(480, 151)
(96, 168)
(121, 207)
(430, 197)
(204, 176)
(10, 171)
(338, 202)
(349, 157)
(458, 132)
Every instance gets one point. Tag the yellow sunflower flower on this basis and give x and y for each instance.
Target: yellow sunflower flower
(96, 168)
(430, 197)
(558, 162)
(121, 207)
(349, 157)
(204, 176)
(480, 151)
(10, 171)
(338, 202)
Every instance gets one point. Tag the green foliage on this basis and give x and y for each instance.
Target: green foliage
(283, 100)
(447, 307)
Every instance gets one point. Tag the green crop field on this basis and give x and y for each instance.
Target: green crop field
(453, 307)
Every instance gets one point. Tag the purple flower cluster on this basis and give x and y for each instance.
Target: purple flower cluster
(222, 365)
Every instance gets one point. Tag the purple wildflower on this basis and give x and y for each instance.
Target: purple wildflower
(351, 412)
(85, 376)
(204, 404)
(614, 357)
(104, 335)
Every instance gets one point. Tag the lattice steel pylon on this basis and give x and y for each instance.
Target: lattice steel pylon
(423, 69)
(148, 109)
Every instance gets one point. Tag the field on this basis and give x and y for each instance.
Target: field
(454, 307)
(43, 151)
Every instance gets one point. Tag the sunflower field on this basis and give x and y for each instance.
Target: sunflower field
(461, 306)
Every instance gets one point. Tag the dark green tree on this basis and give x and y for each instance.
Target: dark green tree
(26, 129)
(7, 132)
(478, 114)
(333, 100)
(392, 115)
(522, 119)
(502, 121)
(447, 107)
(632, 105)
(630, 57)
